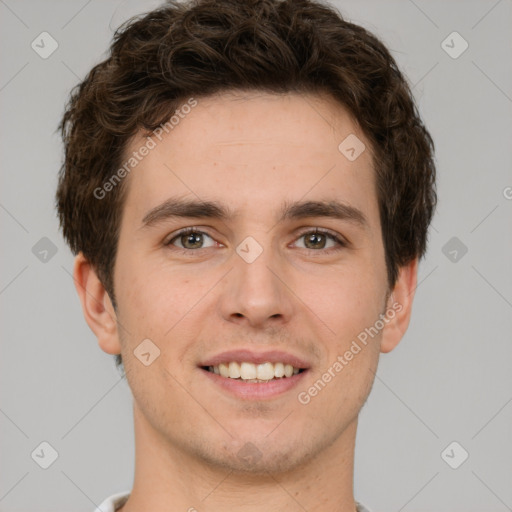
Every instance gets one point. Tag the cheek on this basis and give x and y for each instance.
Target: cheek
(165, 307)
(346, 301)
(344, 379)
(152, 298)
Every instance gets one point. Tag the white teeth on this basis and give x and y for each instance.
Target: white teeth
(224, 370)
(279, 370)
(250, 372)
(265, 371)
(234, 371)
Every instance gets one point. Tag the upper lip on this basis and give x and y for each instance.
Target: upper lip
(249, 356)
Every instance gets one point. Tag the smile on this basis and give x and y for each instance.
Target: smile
(254, 373)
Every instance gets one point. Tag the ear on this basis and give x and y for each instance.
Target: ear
(399, 307)
(97, 307)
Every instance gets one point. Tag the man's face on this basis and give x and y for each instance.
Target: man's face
(253, 282)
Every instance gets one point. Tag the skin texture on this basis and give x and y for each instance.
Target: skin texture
(249, 151)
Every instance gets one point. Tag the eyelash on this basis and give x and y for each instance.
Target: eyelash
(329, 234)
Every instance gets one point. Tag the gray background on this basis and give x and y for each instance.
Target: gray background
(448, 380)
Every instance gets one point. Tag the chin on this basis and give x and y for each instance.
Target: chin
(257, 457)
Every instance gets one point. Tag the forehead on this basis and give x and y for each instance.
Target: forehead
(254, 150)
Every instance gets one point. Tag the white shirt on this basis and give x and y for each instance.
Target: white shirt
(112, 503)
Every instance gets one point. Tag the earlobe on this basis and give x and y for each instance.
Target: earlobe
(96, 305)
(399, 307)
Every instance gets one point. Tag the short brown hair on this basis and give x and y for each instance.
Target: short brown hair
(206, 46)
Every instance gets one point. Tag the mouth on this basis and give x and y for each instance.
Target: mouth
(254, 376)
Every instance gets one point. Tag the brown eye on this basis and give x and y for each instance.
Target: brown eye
(319, 239)
(190, 239)
(315, 241)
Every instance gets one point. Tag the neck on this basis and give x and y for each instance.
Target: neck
(167, 475)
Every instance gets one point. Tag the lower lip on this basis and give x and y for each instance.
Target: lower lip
(255, 390)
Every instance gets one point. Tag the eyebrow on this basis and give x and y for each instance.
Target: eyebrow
(197, 209)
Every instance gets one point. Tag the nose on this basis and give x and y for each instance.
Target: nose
(257, 293)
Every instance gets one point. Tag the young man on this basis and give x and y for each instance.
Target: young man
(247, 187)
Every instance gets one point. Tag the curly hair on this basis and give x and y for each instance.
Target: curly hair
(201, 47)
